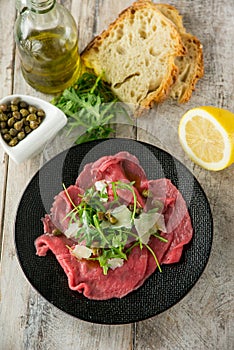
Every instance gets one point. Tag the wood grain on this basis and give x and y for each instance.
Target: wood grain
(6, 73)
(204, 318)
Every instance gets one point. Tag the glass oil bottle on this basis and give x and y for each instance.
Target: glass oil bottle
(47, 40)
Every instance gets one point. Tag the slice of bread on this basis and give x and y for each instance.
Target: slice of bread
(191, 69)
(191, 66)
(173, 14)
(137, 53)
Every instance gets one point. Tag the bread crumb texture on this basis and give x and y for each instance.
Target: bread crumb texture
(191, 65)
(143, 54)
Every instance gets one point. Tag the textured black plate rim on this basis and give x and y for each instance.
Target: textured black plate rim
(135, 317)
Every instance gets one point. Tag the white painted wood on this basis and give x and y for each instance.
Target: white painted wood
(6, 72)
(204, 318)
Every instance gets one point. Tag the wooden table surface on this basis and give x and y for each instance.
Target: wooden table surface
(203, 319)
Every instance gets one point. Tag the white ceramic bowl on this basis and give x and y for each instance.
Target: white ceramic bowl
(34, 142)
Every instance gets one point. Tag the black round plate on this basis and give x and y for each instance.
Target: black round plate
(161, 290)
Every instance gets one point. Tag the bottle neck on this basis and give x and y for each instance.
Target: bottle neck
(40, 6)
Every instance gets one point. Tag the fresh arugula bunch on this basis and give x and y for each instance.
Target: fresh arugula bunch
(91, 106)
(108, 241)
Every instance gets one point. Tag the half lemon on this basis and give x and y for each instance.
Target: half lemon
(207, 136)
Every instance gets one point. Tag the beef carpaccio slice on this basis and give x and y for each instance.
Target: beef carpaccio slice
(86, 276)
(61, 207)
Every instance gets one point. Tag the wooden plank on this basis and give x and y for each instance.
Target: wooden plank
(3, 180)
(202, 320)
(6, 72)
(34, 323)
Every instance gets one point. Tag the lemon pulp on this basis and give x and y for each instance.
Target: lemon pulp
(205, 140)
(207, 136)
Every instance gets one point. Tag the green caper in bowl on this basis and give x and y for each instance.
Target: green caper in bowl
(34, 123)
(17, 119)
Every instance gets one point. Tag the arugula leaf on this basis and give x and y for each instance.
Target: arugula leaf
(113, 241)
(106, 256)
(91, 106)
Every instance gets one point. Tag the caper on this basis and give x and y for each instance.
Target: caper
(7, 137)
(21, 135)
(145, 193)
(32, 109)
(131, 207)
(17, 119)
(111, 218)
(3, 117)
(11, 122)
(16, 115)
(56, 232)
(25, 121)
(3, 107)
(138, 211)
(3, 125)
(23, 104)
(97, 251)
(31, 116)
(15, 101)
(14, 108)
(101, 215)
(4, 131)
(13, 132)
(24, 112)
(18, 125)
(40, 113)
(13, 142)
(33, 124)
(27, 129)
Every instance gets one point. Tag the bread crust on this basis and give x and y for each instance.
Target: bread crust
(173, 15)
(192, 62)
(182, 90)
(163, 90)
(97, 40)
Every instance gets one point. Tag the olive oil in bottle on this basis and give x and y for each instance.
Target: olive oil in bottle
(47, 41)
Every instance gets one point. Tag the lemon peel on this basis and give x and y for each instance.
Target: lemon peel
(207, 136)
